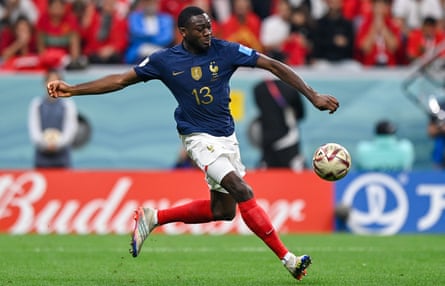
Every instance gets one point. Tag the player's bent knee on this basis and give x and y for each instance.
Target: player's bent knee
(237, 187)
(243, 192)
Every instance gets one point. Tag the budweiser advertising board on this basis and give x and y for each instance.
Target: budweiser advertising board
(103, 202)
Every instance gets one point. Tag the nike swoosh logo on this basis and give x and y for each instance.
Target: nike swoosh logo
(177, 73)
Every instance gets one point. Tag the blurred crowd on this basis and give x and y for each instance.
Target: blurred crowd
(42, 34)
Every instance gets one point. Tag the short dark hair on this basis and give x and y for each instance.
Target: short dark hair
(385, 127)
(429, 21)
(187, 13)
(386, 1)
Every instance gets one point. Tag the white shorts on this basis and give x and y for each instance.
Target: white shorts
(216, 156)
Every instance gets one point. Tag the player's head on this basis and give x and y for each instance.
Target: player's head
(385, 127)
(195, 27)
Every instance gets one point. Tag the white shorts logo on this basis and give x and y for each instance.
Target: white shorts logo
(379, 217)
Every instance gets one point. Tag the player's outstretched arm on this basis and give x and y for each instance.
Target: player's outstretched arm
(106, 84)
(289, 76)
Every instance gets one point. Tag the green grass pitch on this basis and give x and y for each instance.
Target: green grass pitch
(338, 259)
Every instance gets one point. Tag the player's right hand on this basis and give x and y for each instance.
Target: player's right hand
(58, 88)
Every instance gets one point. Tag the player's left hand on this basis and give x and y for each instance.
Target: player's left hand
(326, 102)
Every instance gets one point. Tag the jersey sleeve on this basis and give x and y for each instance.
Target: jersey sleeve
(242, 55)
(150, 67)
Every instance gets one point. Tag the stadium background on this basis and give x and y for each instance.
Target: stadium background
(134, 128)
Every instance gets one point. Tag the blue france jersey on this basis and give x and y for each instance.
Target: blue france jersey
(200, 83)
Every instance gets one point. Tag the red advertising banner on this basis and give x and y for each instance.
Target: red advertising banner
(82, 202)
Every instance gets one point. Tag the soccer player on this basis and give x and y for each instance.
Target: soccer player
(197, 72)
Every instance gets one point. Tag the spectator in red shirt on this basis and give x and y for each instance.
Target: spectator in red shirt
(18, 46)
(243, 26)
(107, 38)
(378, 37)
(58, 32)
(424, 41)
(18, 41)
(85, 12)
(356, 10)
(174, 7)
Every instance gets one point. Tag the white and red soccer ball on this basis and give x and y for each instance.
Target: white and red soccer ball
(331, 161)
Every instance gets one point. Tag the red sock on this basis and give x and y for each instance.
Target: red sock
(258, 222)
(198, 211)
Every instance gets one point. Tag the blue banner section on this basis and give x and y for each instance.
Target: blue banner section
(390, 203)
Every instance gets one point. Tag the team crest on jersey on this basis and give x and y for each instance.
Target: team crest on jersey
(196, 72)
(214, 70)
(213, 67)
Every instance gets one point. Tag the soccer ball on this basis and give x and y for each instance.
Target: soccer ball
(331, 161)
(51, 136)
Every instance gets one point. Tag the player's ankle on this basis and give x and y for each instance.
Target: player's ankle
(286, 257)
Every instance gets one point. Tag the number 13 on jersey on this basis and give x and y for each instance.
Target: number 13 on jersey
(203, 95)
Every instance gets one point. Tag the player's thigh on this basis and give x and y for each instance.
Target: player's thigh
(220, 168)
